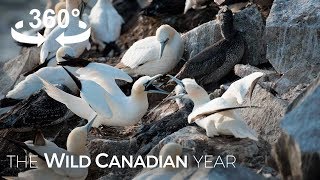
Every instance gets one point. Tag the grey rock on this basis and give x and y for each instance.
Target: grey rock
(265, 119)
(11, 70)
(297, 152)
(248, 21)
(292, 31)
(300, 74)
(195, 143)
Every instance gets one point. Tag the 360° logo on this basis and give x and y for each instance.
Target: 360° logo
(50, 22)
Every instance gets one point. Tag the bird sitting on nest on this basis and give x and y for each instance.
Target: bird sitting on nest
(155, 54)
(219, 116)
(216, 61)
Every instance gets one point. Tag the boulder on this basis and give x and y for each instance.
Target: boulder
(297, 152)
(11, 70)
(292, 31)
(248, 21)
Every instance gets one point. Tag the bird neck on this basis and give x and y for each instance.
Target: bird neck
(227, 30)
(72, 4)
(176, 44)
(200, 100)
(140, 97)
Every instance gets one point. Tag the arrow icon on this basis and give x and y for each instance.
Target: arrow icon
(39, 39)
(62, 40)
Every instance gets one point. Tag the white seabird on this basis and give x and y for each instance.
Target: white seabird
(106, 25)
(155, 54)
(50, 46)
(218, 116)
(194, 4)
(76, 146)
(60, 5)
(171, 149)
(110, 108)
(103, 74)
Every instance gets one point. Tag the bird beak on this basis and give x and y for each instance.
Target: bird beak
(162, 46)
(178, 81)
(83, 5)
(88, 126)
(154, 89)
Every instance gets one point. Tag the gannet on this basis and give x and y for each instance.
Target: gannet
(76, 146)
(195, 4)
(154, 55)
(50, 46)
(106, 25)
(31, 84)
(216, 61)
(96, 100)
(60, 5)
(218, 116)
(171, 149)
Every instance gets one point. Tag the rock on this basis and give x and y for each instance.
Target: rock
(300, 74)
(297, 152)
(292, 31)
(12, 69)
(37, 111)
(248, 21)
(265, 119)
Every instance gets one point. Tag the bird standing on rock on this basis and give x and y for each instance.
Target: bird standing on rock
(155, 54)
(106, 25)
(76, 146)
(50, 46)
(109, 108)
(218, 116)
(216, 61)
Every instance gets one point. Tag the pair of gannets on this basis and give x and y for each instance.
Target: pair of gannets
(50, 46)
(216, 61)
(168, 150)
(106, 25)
(76, 146)
(155, 54)
(218, 116)
(103, 74)
(108, 104)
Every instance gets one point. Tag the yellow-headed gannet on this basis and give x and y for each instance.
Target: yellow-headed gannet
(168, 150)
(155, 54)
(76, 146)
(110, 108)
(60, 5)
(218, 116)
(50, 46)
(106, 25)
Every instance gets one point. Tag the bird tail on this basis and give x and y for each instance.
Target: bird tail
(6, 102)
(74, 62)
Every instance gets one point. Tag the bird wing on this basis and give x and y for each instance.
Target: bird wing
(105, 71)
(96, 97)
(105, 76)
(205, 62)
(141, 52)
(77, 105)
(50, 45)
(237, 90)
(212, 106)
(238, 128)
